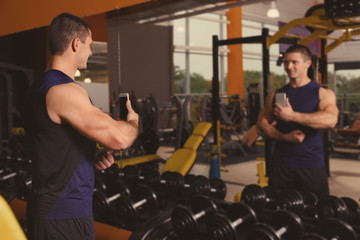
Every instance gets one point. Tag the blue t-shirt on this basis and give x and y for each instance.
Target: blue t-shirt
(62, 158)
(309, 153)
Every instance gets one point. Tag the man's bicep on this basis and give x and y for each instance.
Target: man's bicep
(328, 102)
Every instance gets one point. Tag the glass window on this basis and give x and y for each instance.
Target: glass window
(200, 73)
(179, 32)
(179, 73)
(201, 32)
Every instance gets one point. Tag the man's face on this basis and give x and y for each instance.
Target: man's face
(296, 66)
(84, 53)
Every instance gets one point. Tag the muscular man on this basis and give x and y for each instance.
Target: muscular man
(62, 127)
(298, 158)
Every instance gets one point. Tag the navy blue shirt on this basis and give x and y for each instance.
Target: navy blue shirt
(62, 158)
(309, 153)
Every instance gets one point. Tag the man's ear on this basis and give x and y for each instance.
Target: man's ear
(75, 44)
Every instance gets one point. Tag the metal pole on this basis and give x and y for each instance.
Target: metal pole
(266, 89)
(215, 154)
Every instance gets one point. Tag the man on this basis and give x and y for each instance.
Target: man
(62, 127)
(298, 158)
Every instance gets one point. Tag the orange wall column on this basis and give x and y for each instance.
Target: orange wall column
(235, 60)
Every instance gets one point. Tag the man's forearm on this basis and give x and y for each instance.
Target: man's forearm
(317, 120)
(269, 131)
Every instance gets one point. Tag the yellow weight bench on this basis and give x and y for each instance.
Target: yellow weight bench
(9, 226)
(137, 160)
(183, 158)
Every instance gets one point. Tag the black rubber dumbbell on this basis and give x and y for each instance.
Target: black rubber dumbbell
(142, 198)
(185, 220)
(285, 225)
(336, 229)
(215, 187)
(231, 225)
(106, 200)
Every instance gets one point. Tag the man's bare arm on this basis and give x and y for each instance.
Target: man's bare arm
(265, 126)
(325, 117)
(70, 103)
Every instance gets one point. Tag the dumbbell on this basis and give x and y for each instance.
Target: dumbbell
(331, 207)
(185, 220)
(99, 185)
(134, 174)
(260, 198)
(336, 229)
(230, 226)
(353, 211)
(103, 201)
(285, 225)
(23, 184)
(142, 197)
(214, 187)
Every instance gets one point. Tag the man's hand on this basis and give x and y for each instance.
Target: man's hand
(132, 115)
(284, 113)
(104, 160)
(296, 136)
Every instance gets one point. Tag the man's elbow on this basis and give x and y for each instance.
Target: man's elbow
(331, 123)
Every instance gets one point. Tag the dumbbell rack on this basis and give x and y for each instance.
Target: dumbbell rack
(341, 214)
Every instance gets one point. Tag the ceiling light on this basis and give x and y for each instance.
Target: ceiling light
(87, 80)
(77, 73)
(273, 12)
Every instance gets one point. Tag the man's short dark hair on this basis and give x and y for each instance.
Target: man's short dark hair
(304, 50)
(63, 29)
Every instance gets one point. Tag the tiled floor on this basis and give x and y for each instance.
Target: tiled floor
(344, 180)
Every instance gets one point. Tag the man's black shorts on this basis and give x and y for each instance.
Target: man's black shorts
(77, 228)
(301, 179)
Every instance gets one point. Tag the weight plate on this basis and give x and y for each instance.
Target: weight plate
(332, 228)
(200, 203)
(242, 210)
(262, 231)
(312, 236)
(99, 184)
(200, 185)
(219, 187)
(310, 198)
(126, 210)
(183, 221)
(189, 178)
(151, 176)
(254, 196)
(291, 200)
(131, 173)
(145, 192)
(99, 201)
(289, 220)
(353, 209)
(331, 207)
(220, 227)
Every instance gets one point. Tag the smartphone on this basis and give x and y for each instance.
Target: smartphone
(280, 98)
(123, 98)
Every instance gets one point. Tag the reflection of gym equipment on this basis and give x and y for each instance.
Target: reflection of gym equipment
(231, 118)
(346, 140)
(321, 25)
(183, 158)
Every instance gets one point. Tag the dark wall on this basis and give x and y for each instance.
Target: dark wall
(22, 59)
(27, 49)
(146, 62)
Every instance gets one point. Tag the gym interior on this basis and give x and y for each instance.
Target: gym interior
(198, 73)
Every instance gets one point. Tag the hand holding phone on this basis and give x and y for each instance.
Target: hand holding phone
(123, 98)
(280, 98)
